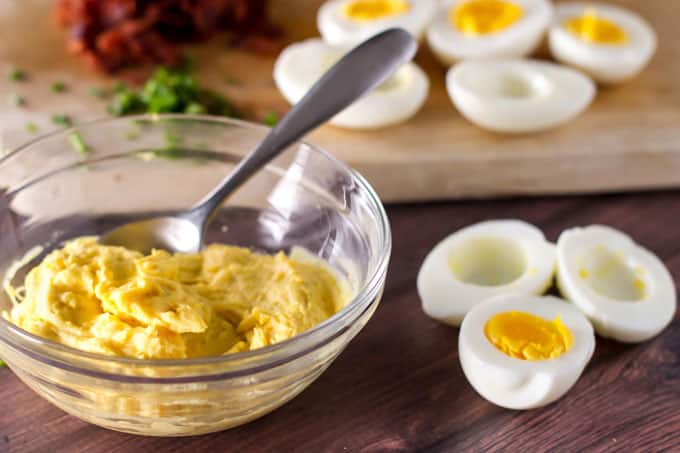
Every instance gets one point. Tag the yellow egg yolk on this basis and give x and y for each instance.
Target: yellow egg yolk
(370, 10)
(525, 336)
(483, 17)
(592, 28)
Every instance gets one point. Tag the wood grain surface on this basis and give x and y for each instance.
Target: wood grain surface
(628, 139)
(399, 385)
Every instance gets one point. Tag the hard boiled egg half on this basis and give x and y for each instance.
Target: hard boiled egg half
(300, 65)
(522, 352)
(610, 43)
(467, 29)
(624, 289)
(484, 260)
(349, 22)
(518, 95)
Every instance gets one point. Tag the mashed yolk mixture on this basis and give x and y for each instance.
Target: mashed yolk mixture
(528, 337)
(225, 299)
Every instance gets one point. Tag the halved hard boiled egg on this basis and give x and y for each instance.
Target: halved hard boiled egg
(300, 65)
(518, 95)
(623, 288)
(609, 43)
(522, 352)
(349, 22)
(470, 29)
(484, 260)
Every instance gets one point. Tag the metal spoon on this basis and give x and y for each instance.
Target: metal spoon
(361, 70)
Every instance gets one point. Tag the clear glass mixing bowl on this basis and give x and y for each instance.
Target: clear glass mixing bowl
(149, 165)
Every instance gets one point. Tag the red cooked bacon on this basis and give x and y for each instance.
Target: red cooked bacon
(112, 34)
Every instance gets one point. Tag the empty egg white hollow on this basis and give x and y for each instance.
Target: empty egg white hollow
(481, 261)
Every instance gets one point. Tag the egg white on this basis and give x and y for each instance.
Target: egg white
(605, 63)
(447, 297)
(338, 30)
(518, 95)
(614, 315)
(517, 40)
(301, 64)
(523, 384)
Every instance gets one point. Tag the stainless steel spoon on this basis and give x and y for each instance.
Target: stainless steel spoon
(361, 70)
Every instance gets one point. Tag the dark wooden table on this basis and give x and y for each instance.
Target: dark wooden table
(399, 385)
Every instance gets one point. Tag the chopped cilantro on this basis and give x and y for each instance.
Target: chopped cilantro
(78, 143)
(62, 120)
(16, 100)
(58, 87)
(16, 74)
(271, 119)
(32, 128)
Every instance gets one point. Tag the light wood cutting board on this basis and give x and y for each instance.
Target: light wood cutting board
(628, 139)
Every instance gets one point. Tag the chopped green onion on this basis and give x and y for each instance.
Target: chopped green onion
(271, 119)
(2, 363)
(62, 120)
(169, 91)
(16, 74)
(58, 87)
(32, 128)
(16, 100)
(78, 143)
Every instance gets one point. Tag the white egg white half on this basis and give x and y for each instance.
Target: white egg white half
(523, 384)
(300, 65)
(518, 95)
(517, 40)
(339, 30)
(623, 288)
(606, 63)
(484, 260)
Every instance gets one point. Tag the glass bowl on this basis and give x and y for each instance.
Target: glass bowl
(137, 167)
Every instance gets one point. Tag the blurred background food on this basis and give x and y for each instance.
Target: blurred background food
(111, 34)
(625, 139)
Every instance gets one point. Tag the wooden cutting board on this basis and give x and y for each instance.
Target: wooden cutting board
(628, 139)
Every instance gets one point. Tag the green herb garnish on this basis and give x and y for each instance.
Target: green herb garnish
(169, 91)
(271, 119)
(62, 120)
(58, 87)
(32, 128)
(16, 100)
(2, 363)
(16, 75)
(78, 143)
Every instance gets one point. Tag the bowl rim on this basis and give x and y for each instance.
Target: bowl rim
(271, 355)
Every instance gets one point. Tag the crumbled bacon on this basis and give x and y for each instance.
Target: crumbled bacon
(112, 34)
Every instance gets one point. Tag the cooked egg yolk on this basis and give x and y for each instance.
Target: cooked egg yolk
(483, 17)
(607, 273)
(592, 28)
(370, 10)
(525, 336)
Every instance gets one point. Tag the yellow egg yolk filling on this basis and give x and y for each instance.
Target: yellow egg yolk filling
(528, 337)
(483, 17)
(370, 10)
(225, 299)
(595, 29)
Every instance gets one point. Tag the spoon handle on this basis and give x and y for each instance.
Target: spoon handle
(361, 70)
